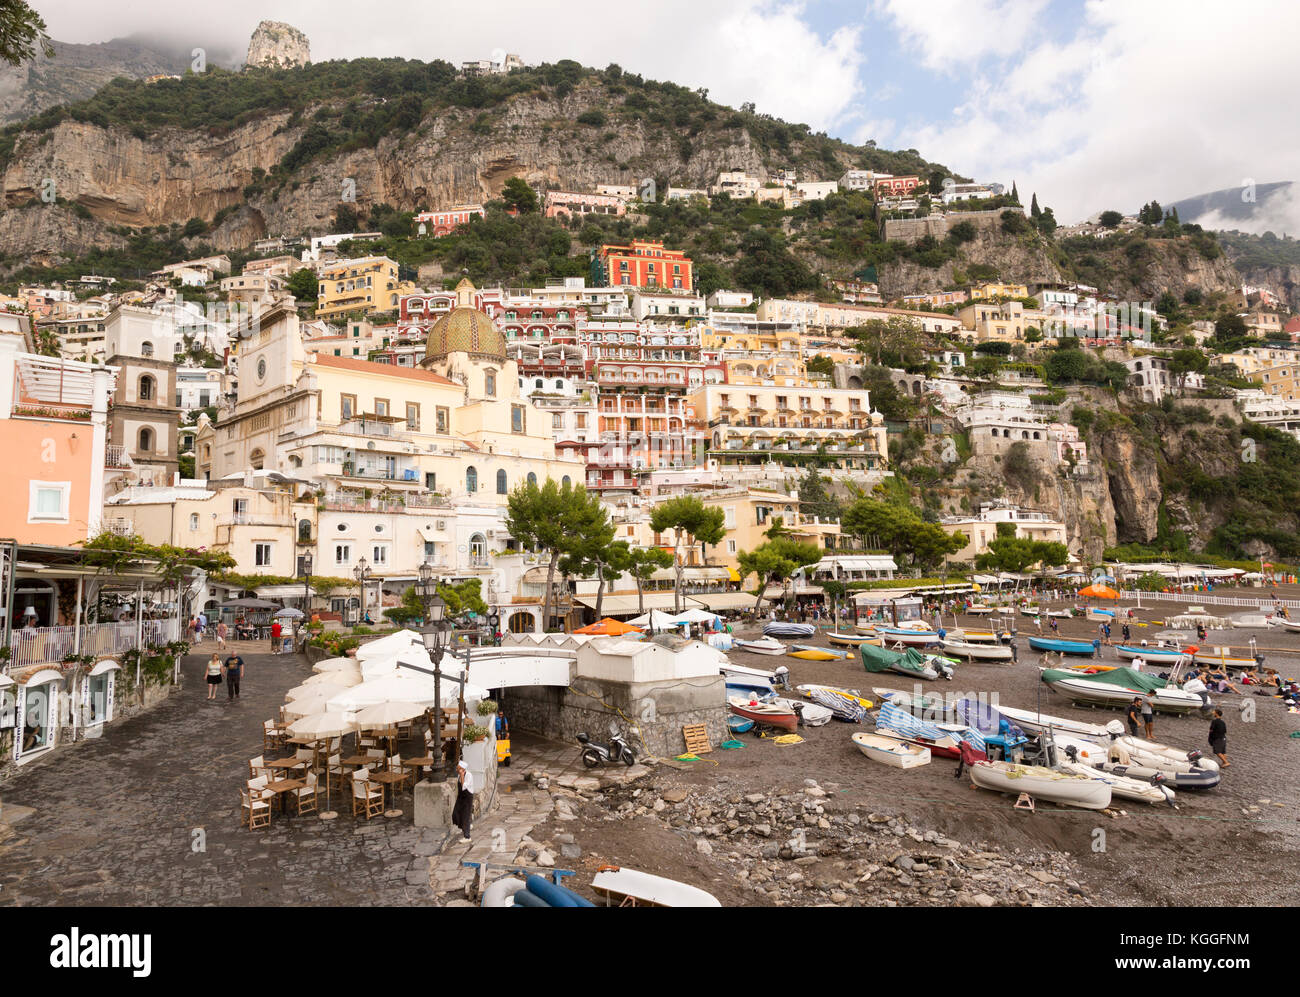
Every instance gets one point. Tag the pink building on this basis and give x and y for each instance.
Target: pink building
(447, 220)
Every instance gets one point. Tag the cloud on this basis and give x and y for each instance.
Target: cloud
(949, 34)
(1159, 99)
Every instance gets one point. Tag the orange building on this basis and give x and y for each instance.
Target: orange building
(642, 264)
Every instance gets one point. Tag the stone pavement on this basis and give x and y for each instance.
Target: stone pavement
(149, 814)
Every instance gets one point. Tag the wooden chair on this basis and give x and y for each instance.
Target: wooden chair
(336, 774)
(367, 796)
(306, 796)
(307, 757)
(270, 736)
(257, 766)
(254, 811)
(377, 758)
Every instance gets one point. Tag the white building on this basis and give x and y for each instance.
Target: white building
(861, 179)
(816, 190)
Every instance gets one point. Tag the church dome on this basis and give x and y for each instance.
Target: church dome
(465, 329)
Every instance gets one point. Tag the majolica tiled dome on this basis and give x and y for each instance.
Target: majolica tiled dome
(465, 329)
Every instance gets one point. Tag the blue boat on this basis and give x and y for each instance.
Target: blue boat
(739, 725)
(1082, 648)
(745, 688)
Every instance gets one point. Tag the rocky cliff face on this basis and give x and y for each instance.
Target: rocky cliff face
(276, 45)
(1024, 257)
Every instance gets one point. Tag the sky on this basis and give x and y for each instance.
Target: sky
(1092, 104)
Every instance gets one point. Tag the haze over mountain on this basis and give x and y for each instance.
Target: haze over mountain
(1258, 208)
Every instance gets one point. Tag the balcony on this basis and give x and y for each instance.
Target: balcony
(51, 645)
(116, 458)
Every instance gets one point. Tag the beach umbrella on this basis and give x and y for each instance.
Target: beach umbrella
(608, 627)
(289, 613)
(387, 714)
(338, 678)
(304, 706)
(1098, 591)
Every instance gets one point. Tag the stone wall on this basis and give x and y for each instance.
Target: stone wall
(658, 711)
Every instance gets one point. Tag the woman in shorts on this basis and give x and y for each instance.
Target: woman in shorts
(214, 676)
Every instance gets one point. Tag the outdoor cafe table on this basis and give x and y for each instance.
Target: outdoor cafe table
(304, 741)
(287, 763)
(285, 786)
(388, 779)
(427, 762)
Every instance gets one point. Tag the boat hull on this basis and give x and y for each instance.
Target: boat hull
(763, 714)
(977, 652)
(852, 640)
(1077, 648)
(766, 646)
(1041, 783)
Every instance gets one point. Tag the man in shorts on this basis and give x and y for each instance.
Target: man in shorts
(234, 672)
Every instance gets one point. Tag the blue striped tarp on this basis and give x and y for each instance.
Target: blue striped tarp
(900, 720)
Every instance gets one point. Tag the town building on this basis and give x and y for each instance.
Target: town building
(444, 221)
(567, 204)
(982, 528)
(368, 285)
(642, 264)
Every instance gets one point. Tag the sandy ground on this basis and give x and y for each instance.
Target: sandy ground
(1235, 845)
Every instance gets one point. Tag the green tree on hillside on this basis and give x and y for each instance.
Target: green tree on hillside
(518, 195)
(22, 34)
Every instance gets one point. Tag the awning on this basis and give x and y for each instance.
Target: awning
(105, 665)
(692, 573)
(721, 602)
(724, 601)
(857, 562)
(537, 575)
(733, 575)
(428, 533)
(626, 605)
(43, 675)
(274, 592)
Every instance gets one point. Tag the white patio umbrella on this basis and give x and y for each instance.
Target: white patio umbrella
(656, 620)
(387, 714)
(390, 645)
(304, 706)
(335, 681)
(329, 724)
(695, 616)
(335, 664)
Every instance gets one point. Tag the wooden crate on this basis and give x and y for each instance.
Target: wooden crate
(697, 739)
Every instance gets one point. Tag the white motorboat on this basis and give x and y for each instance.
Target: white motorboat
(908, 636)
(890, 749)
(1223, 657)
(977, 652)
(1286, 624)
(1041, 783)
(1162, 756)
(766, 645)
(1167, 700)
(975, 636)
(1123, 787)
(631, 888)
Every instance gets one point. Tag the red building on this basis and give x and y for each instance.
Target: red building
(894, 186)
(642, 264)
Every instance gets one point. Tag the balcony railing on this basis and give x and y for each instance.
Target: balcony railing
(51, 645)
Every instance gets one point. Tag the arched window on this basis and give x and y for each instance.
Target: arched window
(538, 384)
(146, 387)
(146, 440)
(532, 478)
(146, 349)
(477, 547)
(501, 482)
(565, 482)
(559, 384)
(304, 531)
(471, 479)
(490, 382)
(257, 458)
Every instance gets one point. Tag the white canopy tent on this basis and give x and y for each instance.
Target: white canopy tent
(656, 620)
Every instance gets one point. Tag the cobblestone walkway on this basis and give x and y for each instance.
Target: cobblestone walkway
(149, 814)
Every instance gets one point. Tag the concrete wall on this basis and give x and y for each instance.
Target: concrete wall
(659, 710)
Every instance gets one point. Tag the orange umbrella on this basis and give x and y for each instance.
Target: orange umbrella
(608, 626)
(1098, 591)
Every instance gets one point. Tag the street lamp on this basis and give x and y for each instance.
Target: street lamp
(362, 574)
(435, 635)
(305, 565)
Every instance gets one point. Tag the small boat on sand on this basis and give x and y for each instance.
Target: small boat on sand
(892, 750)
(852, 640)
(766, 645)
(977, 651)
(1082, 648)
(808, 652)
(1042, 783)
(764, 714)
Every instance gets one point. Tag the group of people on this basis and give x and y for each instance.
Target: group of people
(230, 671)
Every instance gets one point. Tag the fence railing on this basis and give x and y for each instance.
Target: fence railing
(1208, 598)
(50, 645)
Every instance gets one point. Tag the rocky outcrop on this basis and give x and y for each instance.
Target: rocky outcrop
(1025, 258)
(276, 45)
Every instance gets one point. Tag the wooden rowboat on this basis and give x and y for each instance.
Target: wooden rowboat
(764, 714)
(892, 751)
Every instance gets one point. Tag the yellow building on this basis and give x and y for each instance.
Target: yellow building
(996, 289)
(365, 285)
(1280, 381)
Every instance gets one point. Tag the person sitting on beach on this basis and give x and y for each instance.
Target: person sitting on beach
(1219, 682)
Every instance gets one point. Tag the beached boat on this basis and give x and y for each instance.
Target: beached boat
(1060, 614)
(1042, 783)
(910, 662)
(892, 750)
(1223, 657)
(739, 725)
(908, 636)
(765, 646)
(631, 888)
(1056, 645)
(1118, 687)
(780, 629)
(976, 636)
(1123, 787)
(1165, 757)
(1286, 624)
(1197, 779)
(943, 740)
(851, 694)
(927, 706)
(852, 640)
(981, 652)
(809, 714)
(807, 653)
(763, 714)
(750, 687)
(1164, 655)
(978, 610)
(773, 676)
(866, 629)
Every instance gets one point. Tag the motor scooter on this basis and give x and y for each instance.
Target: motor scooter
(594, 753)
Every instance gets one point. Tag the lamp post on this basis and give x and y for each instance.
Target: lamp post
(362, 574)
(306, 565)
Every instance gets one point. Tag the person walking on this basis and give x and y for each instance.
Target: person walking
(1126, 632)
(1131, 714)
(276, 631)
(462, 813)
(234, 672)
(1148, 716)
(1219, 738)
(222, 632)
(214, 675)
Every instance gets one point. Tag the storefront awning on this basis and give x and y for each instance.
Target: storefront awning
(721, 602)
(43, 675)
(106, 665)
(626, 605)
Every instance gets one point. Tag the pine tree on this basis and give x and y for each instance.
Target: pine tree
(1015, 194)
(1033, 206)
